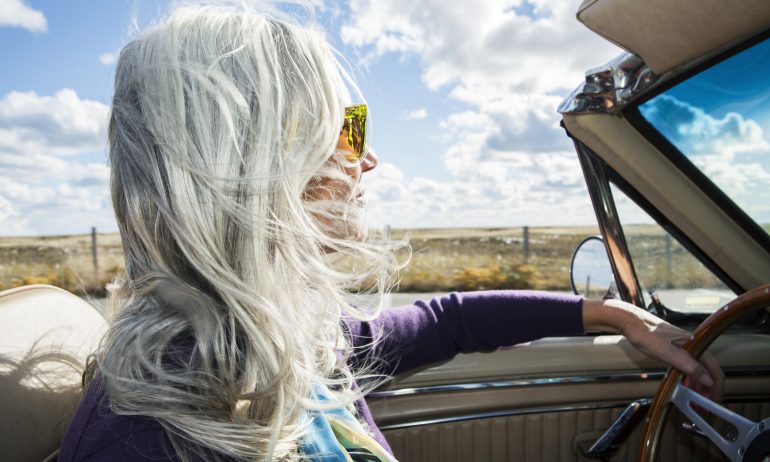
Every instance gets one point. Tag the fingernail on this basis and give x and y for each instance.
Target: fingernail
(706, 381)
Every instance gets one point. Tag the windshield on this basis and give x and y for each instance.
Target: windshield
(720, 120)
(665, 266)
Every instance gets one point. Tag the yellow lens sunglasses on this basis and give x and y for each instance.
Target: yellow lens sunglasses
(353, 133)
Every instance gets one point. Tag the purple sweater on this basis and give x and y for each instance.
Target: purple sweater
(408, 337)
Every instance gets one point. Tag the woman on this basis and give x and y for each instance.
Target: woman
(236, 153)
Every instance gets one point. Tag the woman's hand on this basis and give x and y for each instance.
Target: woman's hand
(656, 338)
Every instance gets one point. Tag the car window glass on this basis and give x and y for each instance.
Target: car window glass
(681, 281)
(720, 120)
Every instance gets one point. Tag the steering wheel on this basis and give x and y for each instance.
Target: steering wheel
(752, 443)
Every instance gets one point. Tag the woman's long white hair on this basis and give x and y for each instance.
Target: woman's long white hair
(230, 309)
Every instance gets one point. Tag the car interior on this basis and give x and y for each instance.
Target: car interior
(553, 399)
(46, 334)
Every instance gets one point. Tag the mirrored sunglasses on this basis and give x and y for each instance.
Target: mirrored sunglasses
(353, 132)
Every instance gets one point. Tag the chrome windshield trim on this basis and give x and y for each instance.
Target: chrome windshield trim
(609, 88)
(609, 224)
(539, 381)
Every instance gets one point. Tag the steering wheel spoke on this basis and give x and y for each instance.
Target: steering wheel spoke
(683, 398)
(752, 439)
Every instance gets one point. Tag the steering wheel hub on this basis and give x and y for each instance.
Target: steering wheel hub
(758, 447)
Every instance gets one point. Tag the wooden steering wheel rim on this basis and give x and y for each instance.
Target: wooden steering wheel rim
(702, 338)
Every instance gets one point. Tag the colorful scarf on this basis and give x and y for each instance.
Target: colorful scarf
(336, 435)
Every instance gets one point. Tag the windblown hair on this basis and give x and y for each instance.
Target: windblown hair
(230, 308)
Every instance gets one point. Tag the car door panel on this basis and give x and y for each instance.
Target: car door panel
(549, 436)
(538, 401)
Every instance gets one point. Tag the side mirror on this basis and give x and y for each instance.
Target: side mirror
(590, 272)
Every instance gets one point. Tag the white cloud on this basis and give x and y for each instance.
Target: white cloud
(34, 167)
(481, 44)
(7, 210)
(497, 200)
(417, 114)
(49, 182)
(61, 124)
(696, 132)
(50, 206)
(733, 151)
(15, 13)
(510, 70)
(43, 202)
(747, 181)
(11, 221)
(108, 59)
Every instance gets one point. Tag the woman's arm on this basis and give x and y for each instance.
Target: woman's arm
(656, 338)
(406, 337)
(410, 336)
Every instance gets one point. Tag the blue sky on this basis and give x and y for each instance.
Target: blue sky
(463, 97)
(720, 119)
(737, 84)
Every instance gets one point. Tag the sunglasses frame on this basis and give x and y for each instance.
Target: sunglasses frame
(353, 131)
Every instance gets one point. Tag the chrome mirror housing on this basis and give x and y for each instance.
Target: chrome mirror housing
(590, 271)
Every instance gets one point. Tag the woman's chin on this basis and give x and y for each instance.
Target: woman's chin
(355, 230)
(361, 232)
(355, 224)
(348, 230)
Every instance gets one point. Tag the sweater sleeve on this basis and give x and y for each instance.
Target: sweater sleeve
(410, 336)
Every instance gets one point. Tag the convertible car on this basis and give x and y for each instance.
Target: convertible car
(674, 133)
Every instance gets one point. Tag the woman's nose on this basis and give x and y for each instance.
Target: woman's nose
(370, 161)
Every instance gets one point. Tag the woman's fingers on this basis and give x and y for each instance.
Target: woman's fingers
(661, 340)
(705, 375)
(716, 392)
(656, 338)
(680, 359)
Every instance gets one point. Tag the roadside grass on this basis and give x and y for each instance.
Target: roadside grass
(665, 264)
(479, 259)
(442, 260)
(62, 261)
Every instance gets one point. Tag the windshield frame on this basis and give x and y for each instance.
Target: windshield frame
(633, 115)
(610, 222)
(677, 234)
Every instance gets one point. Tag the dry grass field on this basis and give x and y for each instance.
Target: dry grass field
(442, 259)
(63, 261)
(464, 259)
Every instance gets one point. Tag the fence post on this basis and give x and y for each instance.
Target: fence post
(386, 232)
(668, 253)
(526, 243)
(94, 254)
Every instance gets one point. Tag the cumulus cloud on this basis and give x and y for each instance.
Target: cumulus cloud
(33, 166)
(11, 221)
(6, 210)
(696, 132)
(417, 114)
(733, 151)
(747, 182)
(64, 197)
(49, 180)
(15, 13)
(487, 44)
(108, 59)
(509, 63)
(393, 199)
(52, 206)
(62, 124)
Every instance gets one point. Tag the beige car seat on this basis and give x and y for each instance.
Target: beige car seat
(46, 333)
